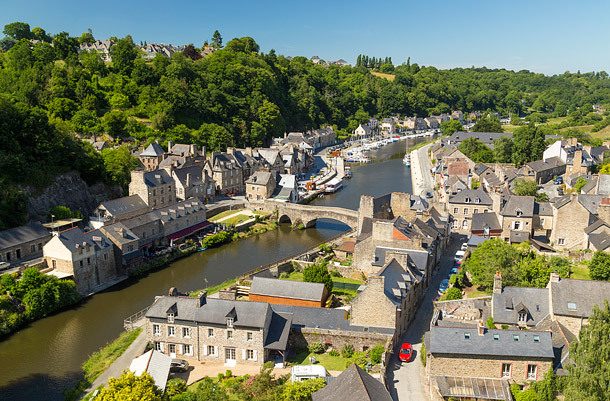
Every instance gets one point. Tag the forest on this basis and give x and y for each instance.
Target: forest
(52, 96)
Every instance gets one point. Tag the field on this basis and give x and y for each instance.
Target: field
(389, 77)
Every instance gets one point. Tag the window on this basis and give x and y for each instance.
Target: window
(40, 246)
(80, 251)
(477, 200)
(249, 354)
(186, 332)
(456, 210)
(211, 350)
(249, 336)
(467, 336)
(81, 263)
(170, 317)
(88, 261)
(186, 349)
(516, 225)
(106, 256)
(467, 200)
(506, 370)
(536, 338)
(210, 332)
(156, 329)
(515, 337)
(496, 337)
(561, 241)
(519, 213)
(455, 224)
(32, 248)
(229, 334)
(475, 211)
(542, 221)
(465, 224)
(532, 372)
(172, 348)
(571, 306)
(229, 322)
(171, 331)
(522, 317)
(466, 211)
(157, 346)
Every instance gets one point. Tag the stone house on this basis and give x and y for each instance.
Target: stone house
(127, 244)
(157, 188)
(487, 138)
(286, 292)
(388, 124)
(432, 122)
(466, 203)
(598, 235)
(152, 156)
(215, 330)
(571, 217)
(391, 296)
(193, 182)
(486, 225)
(23, 243)
(362, 130)
(543, 171)
(260, 186)
(543, 219)
(519, 307)
(227, 173)
(89, 257)
(517, 217)
(115, 210)
(182, 219)
(147, 228)
(515, 355)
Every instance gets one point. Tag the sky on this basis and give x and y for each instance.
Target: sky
(549, 37)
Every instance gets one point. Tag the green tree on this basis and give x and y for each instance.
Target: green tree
(599, 268)
(115, 123)
(216, 40)
(85, 122)
(119, 101)
(580, 182)
(62, 212)
(503, 149)
(40, 34)
(302, 391)
(65, 46)
(318, 273)
(213, 136)
(118, 164)
(453, 293)
(7, 43)
(491, 256)
(130, 387)
(589, 377)
(18, 30)
(451, 126)
(476, 150)
(525, 187)
(124, 54)
(487, 125)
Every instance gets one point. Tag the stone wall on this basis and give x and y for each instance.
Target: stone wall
(372, 308)
(569, 223)
(465, 308)
(573, 324)
(491, 367)
(336, 339)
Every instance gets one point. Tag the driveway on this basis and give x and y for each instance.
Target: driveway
(408, 380)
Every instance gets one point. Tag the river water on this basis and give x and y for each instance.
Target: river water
(44, 358)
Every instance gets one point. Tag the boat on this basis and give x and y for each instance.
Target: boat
(407, 159)
(348, 173)
(202, 249)
(334, 185)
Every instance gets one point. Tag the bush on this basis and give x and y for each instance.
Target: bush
(505, 327)
(360, 359)
(316, 348)
(422, 352)
(453, 293)
(347, 351)
(318, 273)
(333, 352)
(490, 323)
(216, 239)
(376, 353)
(335, 273)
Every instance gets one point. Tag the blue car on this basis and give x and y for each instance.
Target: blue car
(444, 285)
(454, 270)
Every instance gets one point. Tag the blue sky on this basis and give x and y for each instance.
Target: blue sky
(550, 37)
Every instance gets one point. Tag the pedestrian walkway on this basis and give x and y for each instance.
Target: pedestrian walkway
(122, 363)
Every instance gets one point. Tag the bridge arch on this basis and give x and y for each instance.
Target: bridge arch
(308, 215)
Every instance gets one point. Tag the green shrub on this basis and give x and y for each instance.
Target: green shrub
(333, 352)
(216, 239)
(505, 327)
(347, 351)
(318, 273)
(376, 353)
(316, 348)
(490, 323)
(360, 359)
(335, 273)
(422, 352)
(453, 293)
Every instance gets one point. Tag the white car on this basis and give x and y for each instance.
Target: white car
(4, 265)
(464, 246)
(459, 255)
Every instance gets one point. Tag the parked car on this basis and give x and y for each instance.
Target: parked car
(454, 270)
(464, 246)
(428, 195)
(4, 265)
(459, 255)
(444, 285)
(406, 352)
(560, 191)
(178, 365)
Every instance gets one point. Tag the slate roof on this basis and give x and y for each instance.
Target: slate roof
(517, 237)
(114, 230)
(469, 196)
(287, 289)
(23, 234)
(153, 150)
(482, 220)
(467, 341)
(124, 205)
(196, 172)
(260, 178)
(279, 330)
(603, 186)
(504, 305)
(213, 311)
(600, 241)
(525, 204)
(419, 257)
(75, 238)
(584, 294)
(398, 281)
(487, 138)
(355, 384)
(156, 364)
(590, 202)
(543, 209)
(157, 178)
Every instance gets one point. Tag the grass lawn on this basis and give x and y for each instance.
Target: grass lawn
(602, 134)
(233, 221)
(580, 127)
(261, 213)
(476, 294)
(224, 214)
(329, 362)
(344, 295)
(347, 280)
(389, 77)
(580, 272)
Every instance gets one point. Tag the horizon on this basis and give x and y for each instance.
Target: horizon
(332, 32)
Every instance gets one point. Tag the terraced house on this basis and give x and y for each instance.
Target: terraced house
(215, 330)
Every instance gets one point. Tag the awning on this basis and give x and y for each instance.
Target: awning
(473, 387)
(188, 231)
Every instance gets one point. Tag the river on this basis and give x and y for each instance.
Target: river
(44, 358)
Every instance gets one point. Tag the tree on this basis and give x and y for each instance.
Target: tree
(114, 123)
(191, 52)
(62, 212)
(503, 149)
(318, 273)
(65, 45)
(7, 43)
(451, 126)
(589, 377)
(124, 54)
(213, 136)
(453, 293)
(130, 387)
(40, 34)
(487, 125)
(302, 391)
(491, 256)
(580, 182)
(18, 30)
(119, 101)
(216, 40)
(118, 164)
(599, 268)
(476, 150)
(525, 187)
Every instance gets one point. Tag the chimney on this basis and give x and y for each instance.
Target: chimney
(230, 150)
(481, 328)
(249, 151)
(554, 278)
(201, 297)
(189, 180)
(603, 210)
(285, 135)
(193, 149)
(577, 161)
(170, 145)
(498, 283)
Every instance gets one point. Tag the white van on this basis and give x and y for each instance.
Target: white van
(459, 255)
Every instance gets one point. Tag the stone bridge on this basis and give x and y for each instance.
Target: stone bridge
(308, 215)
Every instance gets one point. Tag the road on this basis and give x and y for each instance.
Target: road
(407, 381)
(420, 171)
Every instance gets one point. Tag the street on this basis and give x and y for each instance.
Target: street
(407, 381)
(421, 178)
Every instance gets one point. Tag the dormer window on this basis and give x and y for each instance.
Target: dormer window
(229, 322)
(467, 336)
(516, 338)
(467, 200)
(477, 200)
(519, 212)
(536, 338)
(170, 317)
(522, 317)
(571, 306)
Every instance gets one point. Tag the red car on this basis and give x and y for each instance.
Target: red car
(406, 352)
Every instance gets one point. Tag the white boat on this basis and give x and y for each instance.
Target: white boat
(407, 159)
(334, 185)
